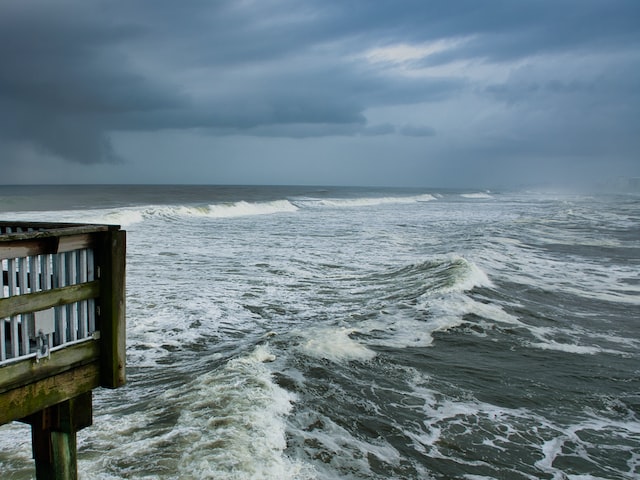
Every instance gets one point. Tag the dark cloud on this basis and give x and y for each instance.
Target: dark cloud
(417, 131)
(72, 74)
(538, 77)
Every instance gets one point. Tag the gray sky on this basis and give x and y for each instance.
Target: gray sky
(346, 92)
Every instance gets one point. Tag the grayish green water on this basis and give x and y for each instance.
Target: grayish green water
(300, 332)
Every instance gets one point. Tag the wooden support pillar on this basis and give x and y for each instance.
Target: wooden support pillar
(112, 323)
(53, 432)
(55, 454)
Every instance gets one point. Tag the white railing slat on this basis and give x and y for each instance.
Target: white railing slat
(91, 304)
(13, 290)
(82, 306)
(61, 311)
(23, 275)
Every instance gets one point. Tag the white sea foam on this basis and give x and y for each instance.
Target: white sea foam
(113, 451)
(454, 273)
(125, 217)
(334, 344)
(15, 445)
(573, 348)
(404, 330)
(224, 210)
(491, 430)
(230, 425)
(573, 438)
(233, 422)
(365, 201)
(446, 305)
(341, 450)
(399, 330)
(128, 216)
(451, 310)
(588, 279)
(478, 195)
(473, 277)
(239, 209)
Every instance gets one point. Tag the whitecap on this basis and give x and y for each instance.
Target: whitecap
(335, 345)
(234, 422)
(365, 201)
(242, 208)
(572, 348)
(479, 195)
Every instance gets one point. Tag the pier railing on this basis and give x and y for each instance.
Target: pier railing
(62, 326)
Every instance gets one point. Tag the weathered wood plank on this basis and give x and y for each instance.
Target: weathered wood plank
(17, 248)
(22, 372)
(76, 242)
(24, 401)
(24, 225)
(33, 302)
(42, 230)
(112, 309)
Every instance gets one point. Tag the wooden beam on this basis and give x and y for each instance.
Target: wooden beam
(22, 372)
(33, 302)
(16, 248)
(75, 242)
(34, 244)
(29, 399)
(41, 230)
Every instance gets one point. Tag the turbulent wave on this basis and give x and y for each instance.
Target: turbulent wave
(239, 209)
(417, 300)
(225, 424)
(233, 423)
(453, 429)
(334, 344)
(478, 195)
(128, 216)
(441, 274)
(363, 201)
(132, 215)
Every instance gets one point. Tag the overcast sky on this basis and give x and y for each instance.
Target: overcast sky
(343, 92)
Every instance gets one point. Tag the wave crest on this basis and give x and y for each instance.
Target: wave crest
(478, 195)
(363, 201)
(133, 215)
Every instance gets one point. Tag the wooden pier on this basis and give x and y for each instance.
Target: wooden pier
(62, 331)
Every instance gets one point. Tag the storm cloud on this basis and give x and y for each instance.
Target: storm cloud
(482, 85)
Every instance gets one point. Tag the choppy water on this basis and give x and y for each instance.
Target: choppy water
(306, 333)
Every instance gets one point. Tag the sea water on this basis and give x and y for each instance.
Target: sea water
(331, 333)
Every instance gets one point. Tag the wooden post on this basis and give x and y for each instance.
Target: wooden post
(53, 432)
(112, 309)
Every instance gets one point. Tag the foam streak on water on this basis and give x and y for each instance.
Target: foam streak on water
(307, 333)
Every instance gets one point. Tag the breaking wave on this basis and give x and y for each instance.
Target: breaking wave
(362, 201)
(478, 195)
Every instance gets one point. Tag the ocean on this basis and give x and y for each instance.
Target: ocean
(361, 333)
